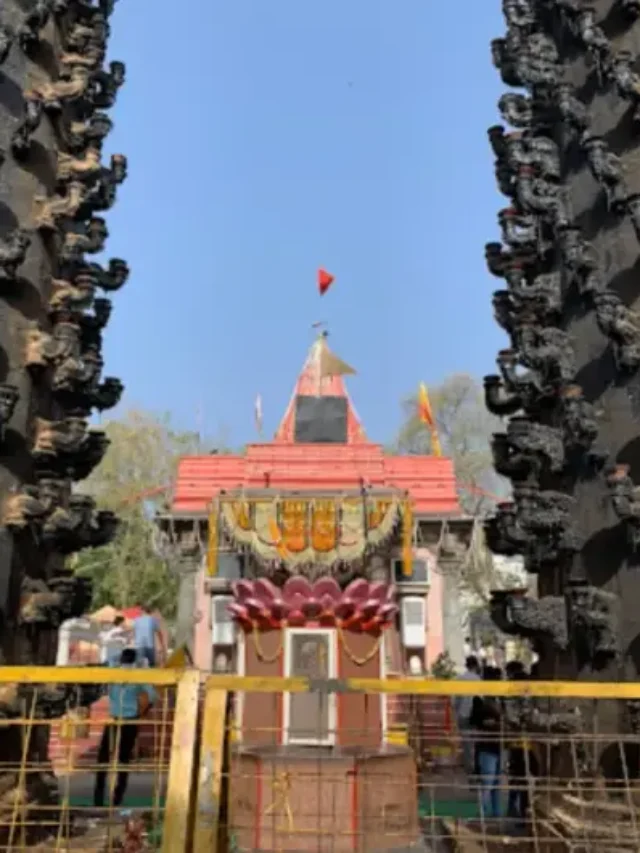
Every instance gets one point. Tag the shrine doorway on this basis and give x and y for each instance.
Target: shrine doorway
(310, 718)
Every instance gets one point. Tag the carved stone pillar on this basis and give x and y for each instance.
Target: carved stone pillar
(53, 187)
(29, 294)
(566, 161)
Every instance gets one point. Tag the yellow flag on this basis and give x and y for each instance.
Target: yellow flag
(424, 407)
(425, 413)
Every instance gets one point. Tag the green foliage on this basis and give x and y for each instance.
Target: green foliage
(443, 666)
(142, 458)
(464, 427)
(127, 571)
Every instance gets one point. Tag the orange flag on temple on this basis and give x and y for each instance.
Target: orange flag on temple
(325, 280)
(425, 414)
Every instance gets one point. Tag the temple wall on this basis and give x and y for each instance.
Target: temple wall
(359, 715)
(261, 713)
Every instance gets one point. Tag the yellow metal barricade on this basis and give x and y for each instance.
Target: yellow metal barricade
(213, 754)
(230, 763)
(268, 782)
(76, 773)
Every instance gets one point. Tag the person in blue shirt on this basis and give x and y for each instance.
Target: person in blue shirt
(145, 630)
(127, 704)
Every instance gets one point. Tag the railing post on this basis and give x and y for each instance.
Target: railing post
(212, 748)
(177, 816)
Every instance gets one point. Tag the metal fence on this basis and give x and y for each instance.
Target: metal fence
(372, 765)
(95, 759)
(231, 763)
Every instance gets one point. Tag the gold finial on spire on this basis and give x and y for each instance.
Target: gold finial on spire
(326, 362)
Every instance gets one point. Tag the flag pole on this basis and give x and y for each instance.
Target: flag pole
(320, 324)
(258, 415)
(200, 423)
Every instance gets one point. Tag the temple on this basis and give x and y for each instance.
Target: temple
(325, 557)
(318, 503)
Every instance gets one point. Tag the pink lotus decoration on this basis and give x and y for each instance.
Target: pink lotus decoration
(362, 606)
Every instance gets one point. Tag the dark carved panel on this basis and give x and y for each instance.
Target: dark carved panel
(321, 420)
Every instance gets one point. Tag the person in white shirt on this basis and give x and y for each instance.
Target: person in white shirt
(113, 641)
(462, 706)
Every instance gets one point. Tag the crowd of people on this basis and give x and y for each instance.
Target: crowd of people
(144, 635)
(493, 753)
(126, 647)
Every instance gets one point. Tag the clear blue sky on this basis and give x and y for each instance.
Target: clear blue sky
(267, 137)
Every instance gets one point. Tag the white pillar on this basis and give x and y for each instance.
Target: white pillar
(452, 622)
(64, 643)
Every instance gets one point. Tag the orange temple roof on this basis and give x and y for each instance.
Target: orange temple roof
(336, 455)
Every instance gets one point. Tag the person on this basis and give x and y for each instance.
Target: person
(462, 706)
(113, 641)
(514, 670)
(127, 702)
(521, 761)
(146, 628)
(486, 719)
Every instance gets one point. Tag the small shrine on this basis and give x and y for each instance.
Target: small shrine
(321, 631)
(323, 559)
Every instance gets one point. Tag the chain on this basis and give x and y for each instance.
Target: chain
(260, 651)
(354, 658)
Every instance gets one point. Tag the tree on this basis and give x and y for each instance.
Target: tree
(140, 462)
(464, 428)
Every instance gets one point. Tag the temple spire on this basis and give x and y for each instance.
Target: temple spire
(331, 418)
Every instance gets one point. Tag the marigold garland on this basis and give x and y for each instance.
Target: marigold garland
(407, 539)
(310, 531)
(359, 661)
(260, 651)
